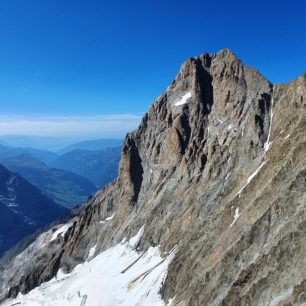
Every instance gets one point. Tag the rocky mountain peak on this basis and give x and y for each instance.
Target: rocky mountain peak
(213, 102)
(216, 170)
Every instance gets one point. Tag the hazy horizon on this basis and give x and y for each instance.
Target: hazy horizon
(75, 127)
(49, 143)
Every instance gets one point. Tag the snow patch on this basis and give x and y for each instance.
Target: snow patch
(183, 99)
(110, 218)
(268, 142)
(171, 302)
(91, 251)
(287, 136)
(135, 240)
(250, 178)
(61, 231)
(236, 216)
(107, 219)
(118, 276)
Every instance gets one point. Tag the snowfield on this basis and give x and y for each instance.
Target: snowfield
(118, 276)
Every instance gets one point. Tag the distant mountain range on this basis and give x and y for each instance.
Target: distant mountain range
(23, 209)
(70, 176)
(100, 167)
(37, 186)
(35, 142)
(58, 145)
(93, 145)
(43, 155)
(65, 188)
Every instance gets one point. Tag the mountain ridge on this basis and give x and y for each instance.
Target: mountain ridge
(44, 156)
(100, 167)
(92, 145)
(210, 170)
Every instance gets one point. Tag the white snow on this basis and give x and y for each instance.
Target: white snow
(268, 143)
(118, 276)
(61, 231)
(236, 216)
(107, 219)
(134, 241)
(242, 133)
(171, 302)
(287, 136)
(12, 204)
(183, 99)
(220, 121)
(250, 178)
(110, 218)
(92, 251)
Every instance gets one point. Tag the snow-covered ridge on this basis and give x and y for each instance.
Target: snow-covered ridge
(118, 276)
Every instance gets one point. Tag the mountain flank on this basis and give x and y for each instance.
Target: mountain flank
(100, 167)
(214, 178)
(92, 145)
(64, 187)
(23, 209)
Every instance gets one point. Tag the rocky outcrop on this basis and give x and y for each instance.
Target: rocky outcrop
(217, 167)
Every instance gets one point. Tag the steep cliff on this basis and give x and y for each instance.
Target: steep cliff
(215, 170)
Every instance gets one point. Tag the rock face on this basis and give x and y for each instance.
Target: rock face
(216, 167)
(23, 209)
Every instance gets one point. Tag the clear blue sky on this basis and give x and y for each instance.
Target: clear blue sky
(93, 58)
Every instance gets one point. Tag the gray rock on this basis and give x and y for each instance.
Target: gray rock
(211, 170)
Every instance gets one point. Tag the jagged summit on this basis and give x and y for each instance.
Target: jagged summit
(216, 171)
(222, 53)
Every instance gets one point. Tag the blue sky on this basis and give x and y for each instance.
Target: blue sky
(85, 60)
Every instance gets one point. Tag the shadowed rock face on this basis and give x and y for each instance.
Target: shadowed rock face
(216, 166)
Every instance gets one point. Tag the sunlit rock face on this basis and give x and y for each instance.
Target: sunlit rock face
(217, 169)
